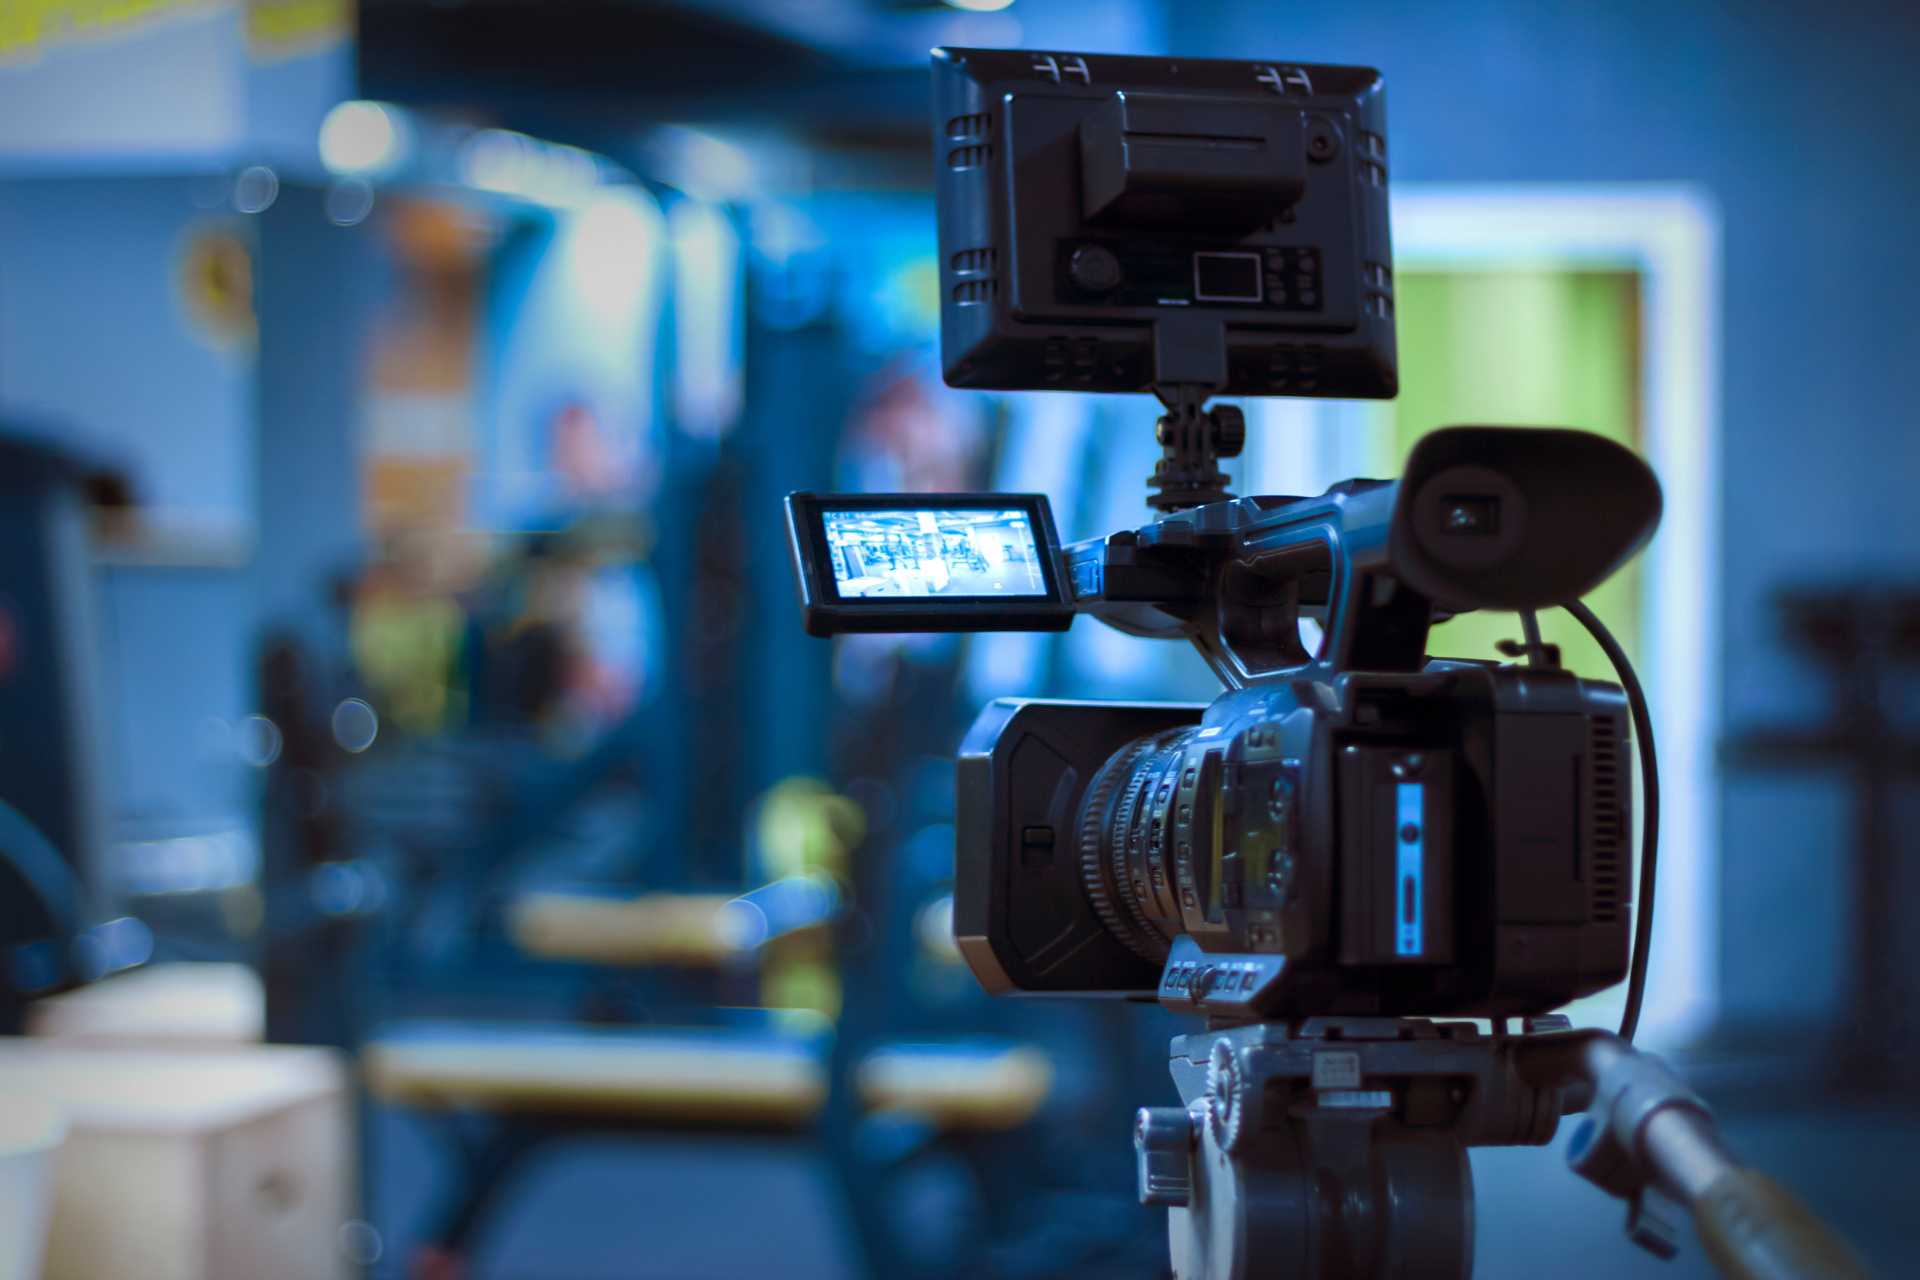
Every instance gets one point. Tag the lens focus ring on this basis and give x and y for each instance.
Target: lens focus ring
(1124, 814)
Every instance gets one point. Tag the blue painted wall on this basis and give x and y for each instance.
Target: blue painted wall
(1802, 120)
(318, 286)
(94, 336)
(242, 453)
(95, 345)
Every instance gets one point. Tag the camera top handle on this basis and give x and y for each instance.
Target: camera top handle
(1485, 517)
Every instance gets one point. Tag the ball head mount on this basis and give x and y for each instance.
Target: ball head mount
(1193, 439)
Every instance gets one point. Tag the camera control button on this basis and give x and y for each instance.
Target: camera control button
(1094, 268)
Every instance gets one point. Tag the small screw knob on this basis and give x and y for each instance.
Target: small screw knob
(1229, 429)
(1163, 1139)
(1323, 141)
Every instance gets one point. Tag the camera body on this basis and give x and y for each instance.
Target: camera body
(1447, 842)
(1359, 829)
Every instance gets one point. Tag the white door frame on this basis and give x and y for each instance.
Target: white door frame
(1670, 235)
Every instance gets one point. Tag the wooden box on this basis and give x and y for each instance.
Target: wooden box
(229, 1163)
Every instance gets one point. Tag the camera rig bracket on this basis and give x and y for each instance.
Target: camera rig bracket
(1189, 365)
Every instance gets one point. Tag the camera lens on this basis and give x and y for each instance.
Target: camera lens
(1128, 841)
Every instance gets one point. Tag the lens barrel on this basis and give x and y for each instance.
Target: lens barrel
(1126, 830)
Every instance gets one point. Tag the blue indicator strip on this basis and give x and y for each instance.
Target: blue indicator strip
(1409, 901)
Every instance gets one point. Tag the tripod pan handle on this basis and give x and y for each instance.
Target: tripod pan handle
(1754, 1230)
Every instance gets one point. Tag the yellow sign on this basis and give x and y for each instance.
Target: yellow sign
(29, 28)
(288, 28)
(274, 28)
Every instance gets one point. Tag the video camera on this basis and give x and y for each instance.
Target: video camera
(1355, 837)
(1355, 829)
(1359, 830)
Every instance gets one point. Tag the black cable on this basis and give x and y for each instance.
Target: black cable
(1530, 628)
(1650, 810)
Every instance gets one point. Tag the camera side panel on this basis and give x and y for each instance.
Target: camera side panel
(1563, 848)
(1478, 846)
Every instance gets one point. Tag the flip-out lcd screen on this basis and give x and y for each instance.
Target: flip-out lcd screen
(950, 554)
(927, 562)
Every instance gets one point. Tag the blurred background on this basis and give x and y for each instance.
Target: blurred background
(433, 849)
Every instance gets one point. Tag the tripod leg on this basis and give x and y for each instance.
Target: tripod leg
(1324, 1195)
(1394, 1203)
(1251, 1215)
(1423, 1204)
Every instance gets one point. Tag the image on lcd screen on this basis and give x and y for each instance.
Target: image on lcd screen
(946, 554)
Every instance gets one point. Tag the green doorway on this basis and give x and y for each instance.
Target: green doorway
(1524, 346)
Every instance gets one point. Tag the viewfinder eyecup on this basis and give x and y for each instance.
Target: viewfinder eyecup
(1508, 518)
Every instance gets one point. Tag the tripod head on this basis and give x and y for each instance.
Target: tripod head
(1337, 1148)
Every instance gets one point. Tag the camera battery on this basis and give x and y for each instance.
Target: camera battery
(1396, 856)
